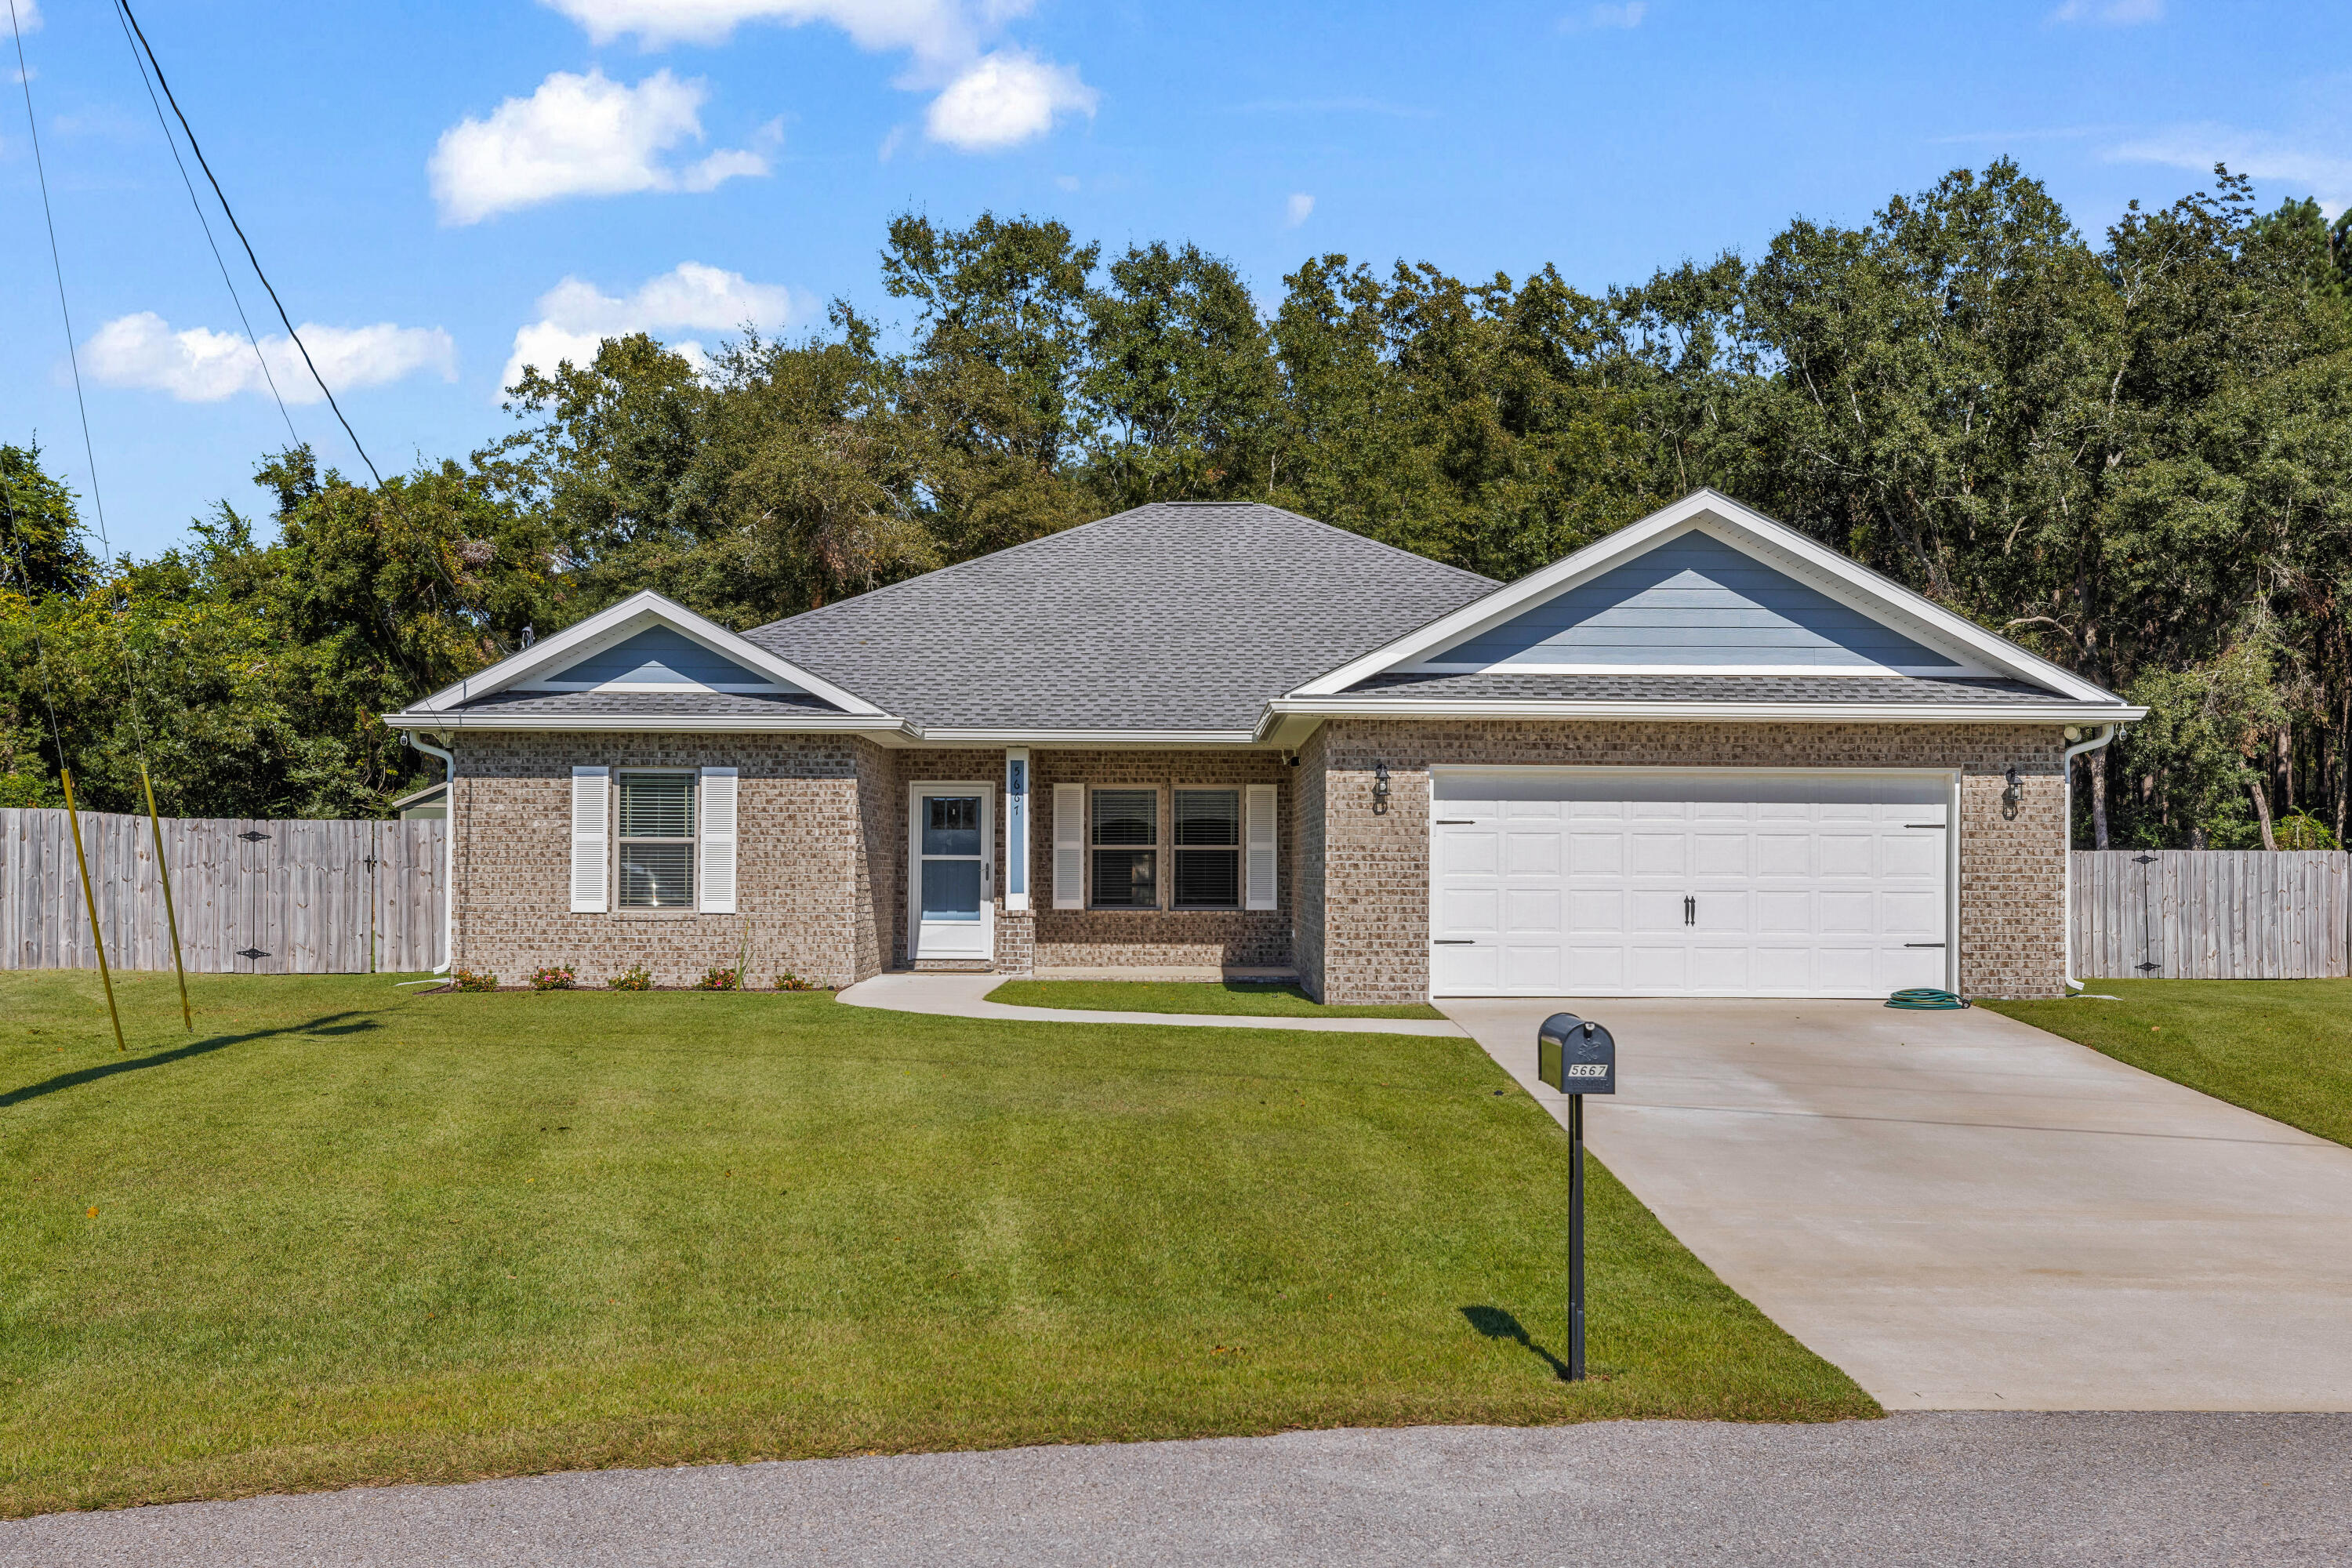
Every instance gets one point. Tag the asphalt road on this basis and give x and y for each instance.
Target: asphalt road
(1945, 1488)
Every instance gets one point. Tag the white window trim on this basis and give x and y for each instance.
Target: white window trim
(693, 842)
(1240, 792)
(1163, 824)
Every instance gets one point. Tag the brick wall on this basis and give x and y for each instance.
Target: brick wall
(795, 867)
(1373, 938)
(1309, 833)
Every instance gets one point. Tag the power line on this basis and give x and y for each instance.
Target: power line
(230, 213)
(172, 142)
(57, 264)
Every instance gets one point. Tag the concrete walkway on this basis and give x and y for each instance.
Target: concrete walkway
(963, 997)
(1965, 1213)
(1933, 1489)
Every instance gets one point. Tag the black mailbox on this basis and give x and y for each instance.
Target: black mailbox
(1575, 1056)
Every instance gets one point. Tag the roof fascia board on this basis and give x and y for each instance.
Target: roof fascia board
(1703, 712)
(615, 623)
(816, 724)
(1824, 672)
(1744, 527)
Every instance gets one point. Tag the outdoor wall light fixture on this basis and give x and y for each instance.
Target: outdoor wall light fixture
(1379, 789)
(2015, 792)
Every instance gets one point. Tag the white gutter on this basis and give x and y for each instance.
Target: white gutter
(849, 723)
(448, 851)
(2066, 835)
(1708, 712)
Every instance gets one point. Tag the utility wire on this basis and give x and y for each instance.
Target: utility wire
(206, 222)
(230, 213)
(57, 264)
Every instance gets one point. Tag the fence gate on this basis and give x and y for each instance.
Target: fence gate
(254, 896)
(2212, 914)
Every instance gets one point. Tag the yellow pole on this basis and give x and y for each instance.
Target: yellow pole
(89, 901)
(170, 915)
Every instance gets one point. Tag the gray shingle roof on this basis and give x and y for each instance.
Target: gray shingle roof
(1824, 689)
(647, 704)
(1177, 616)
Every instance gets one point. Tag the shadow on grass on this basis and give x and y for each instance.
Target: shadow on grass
(1497, 1324)
(331, 1024)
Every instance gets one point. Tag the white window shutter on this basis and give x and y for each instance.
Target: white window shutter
(591, 837)
(1258, 843)
(1069, 846)
(717, 872)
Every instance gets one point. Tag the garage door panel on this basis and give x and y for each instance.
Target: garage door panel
(1573, 883)
(1470, 853)
(1533, 911)
(1596, 853)
(1905, 855)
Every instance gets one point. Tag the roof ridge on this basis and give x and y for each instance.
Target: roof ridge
(937, 572)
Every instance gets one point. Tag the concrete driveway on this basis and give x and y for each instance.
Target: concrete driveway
(1965, 1213)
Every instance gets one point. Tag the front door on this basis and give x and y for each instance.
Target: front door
(950, 880)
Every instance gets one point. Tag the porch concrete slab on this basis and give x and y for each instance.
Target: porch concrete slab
(965, 996)
(1966, 1213)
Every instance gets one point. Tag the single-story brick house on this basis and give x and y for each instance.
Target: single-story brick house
(1706, 755)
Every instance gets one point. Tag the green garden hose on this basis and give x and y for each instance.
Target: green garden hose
(1925, 999)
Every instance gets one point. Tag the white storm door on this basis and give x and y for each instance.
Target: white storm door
(952, 903)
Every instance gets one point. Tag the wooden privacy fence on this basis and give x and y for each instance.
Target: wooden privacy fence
(2213, 914)
(253, 896)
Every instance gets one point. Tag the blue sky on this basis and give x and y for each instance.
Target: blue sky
(435, 185)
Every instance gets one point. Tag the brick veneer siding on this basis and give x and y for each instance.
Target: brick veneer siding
(796, 860)
(1309, 832)
(1372, 943)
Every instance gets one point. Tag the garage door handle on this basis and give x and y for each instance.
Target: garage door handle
(1927, 824)
(1923, 944)
(1453, 941)
(1457, 822)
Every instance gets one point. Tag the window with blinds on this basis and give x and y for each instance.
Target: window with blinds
(1207, 831)
(655, 840)
(1124, 849)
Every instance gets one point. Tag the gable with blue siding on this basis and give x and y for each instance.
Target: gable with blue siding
(1695, 601)
(658, 656)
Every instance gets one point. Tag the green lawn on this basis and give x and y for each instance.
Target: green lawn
(1227, 996)
(350, 1234)
(2280, 1047)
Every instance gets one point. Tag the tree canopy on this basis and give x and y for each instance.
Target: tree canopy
(2128, 453)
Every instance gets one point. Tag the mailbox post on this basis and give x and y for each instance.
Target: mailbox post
(1577, 1059)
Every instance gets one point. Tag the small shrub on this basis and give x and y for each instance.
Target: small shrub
(788, 981)
(466, 980)
(2303, 831)
(718, 979)
(637, 977)
(554, 977)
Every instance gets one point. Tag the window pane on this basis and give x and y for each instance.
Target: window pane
(657, 805)
(1208, 879)
(951, 824)
(1125, 880)
(951, 890)
(657, 876)
(1208, 817)
(1127, 816)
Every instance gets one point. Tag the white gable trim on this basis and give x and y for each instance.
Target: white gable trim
(1979, 652)
(538, 666)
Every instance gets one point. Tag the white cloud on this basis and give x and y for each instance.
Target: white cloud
(988, 99)
(581, 135)
(1605, 18)
(200, 365)
(28, 16)
(1003, 99)
(2112, 13)
(1298, 208)
(932, 29)
(574, 316)
(2327, 175)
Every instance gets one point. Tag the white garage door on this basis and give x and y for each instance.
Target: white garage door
(1609, 882)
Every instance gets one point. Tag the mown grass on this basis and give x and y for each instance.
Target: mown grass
(351, 1235)
(2282, 1047)
(1231, 997)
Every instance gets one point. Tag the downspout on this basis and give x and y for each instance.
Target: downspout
(2066, 837)
(449, 850)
